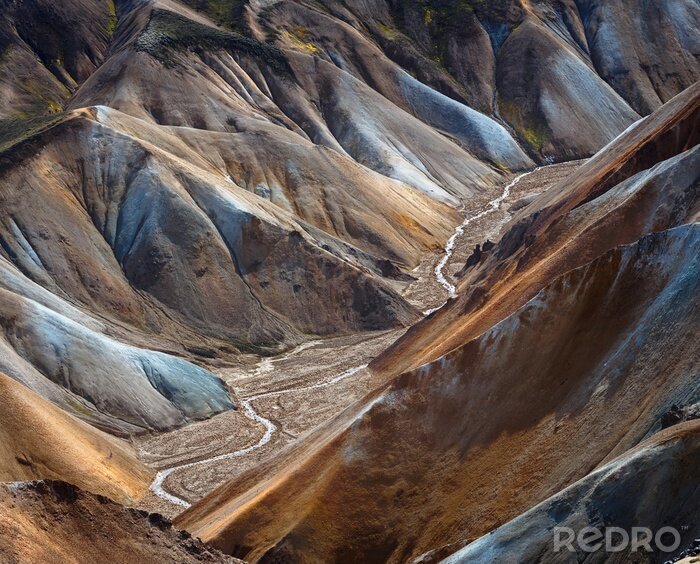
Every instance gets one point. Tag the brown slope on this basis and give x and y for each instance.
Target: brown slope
(552, 235)
(40, 441)
(225, 82)
(654, 485)
(48, 49)
(55, 522)
(461, 445)
(663, 196)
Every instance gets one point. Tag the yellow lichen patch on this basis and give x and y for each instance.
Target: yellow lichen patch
(389, 32)
(112, 21)
(534, 137)
(499, 165)
(54, 108)
(298, 38)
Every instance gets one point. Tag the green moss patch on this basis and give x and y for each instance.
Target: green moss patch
(14, 131)
(226, 13)
(529, 126)
(445, 19)
(389, 32)
(80, 408)
(20, 137)
(112, 18)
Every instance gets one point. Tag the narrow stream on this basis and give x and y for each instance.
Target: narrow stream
(157, 487)
(493, 205)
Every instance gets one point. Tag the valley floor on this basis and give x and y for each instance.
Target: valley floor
(283, 397)
(426, 292)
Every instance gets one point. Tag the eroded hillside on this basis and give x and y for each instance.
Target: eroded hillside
(451, 449)
(359, 280)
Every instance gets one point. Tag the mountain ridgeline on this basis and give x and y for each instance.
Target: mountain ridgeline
(194, 192)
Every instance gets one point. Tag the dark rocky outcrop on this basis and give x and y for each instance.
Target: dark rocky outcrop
(677, 415)
(44, 521)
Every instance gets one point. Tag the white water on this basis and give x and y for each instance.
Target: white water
(266, 366)
(270, 429)
(493, 206)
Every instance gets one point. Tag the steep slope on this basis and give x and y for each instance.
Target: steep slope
(47, 50)
(648, 52)
(570, 225)
(655, 483)
(588, 304)
(40, 441)
(522, 70)
(333, 40)
(56, 522)
(538, 80)
(461, 445)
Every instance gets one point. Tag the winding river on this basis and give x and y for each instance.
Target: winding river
(158, 488)
(493, 205)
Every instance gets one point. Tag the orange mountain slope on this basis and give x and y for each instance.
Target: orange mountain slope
(40, 441)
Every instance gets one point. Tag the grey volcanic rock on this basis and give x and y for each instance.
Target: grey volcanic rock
(677, 415)
(479, 134)
(647, 51)
(137, 387)
(539, 85)
(654, 486)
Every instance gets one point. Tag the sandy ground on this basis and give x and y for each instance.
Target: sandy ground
(296, 409)
(426, 293)
(293, 413)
